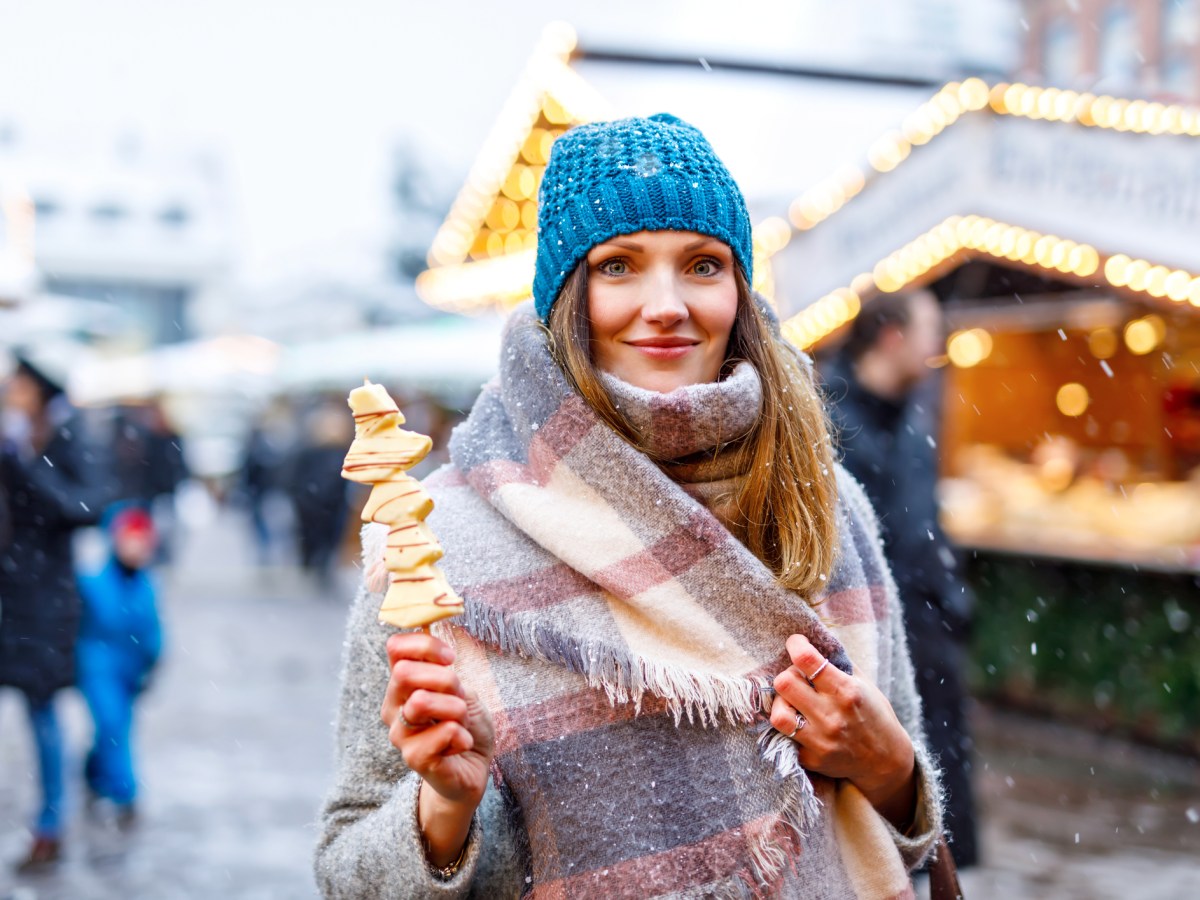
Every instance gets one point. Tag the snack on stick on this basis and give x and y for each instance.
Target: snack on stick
(418, 593)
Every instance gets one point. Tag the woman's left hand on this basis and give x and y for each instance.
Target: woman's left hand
(847, 729)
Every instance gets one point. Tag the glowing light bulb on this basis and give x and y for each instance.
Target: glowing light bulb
(973, 94)
(1083, 109)
(997, 98)
(1177, 284)
(1065, 106)
(1088, 260)
(1136, 274)
(1102, 343)
(1029, 102)
(1072, 399)
(1140, 337)
(1132, 117)
(969, 348)
(1156, 281)
(1046, 104)
(1116, 270)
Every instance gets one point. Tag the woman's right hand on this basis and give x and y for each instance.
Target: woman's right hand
(444, 731)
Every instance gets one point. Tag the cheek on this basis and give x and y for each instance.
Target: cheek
(721, 317)
(607, 314)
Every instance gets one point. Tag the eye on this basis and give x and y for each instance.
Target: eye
(707, 267)
(614, 266)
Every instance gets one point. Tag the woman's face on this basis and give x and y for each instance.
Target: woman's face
(22, 394)
(661, 306)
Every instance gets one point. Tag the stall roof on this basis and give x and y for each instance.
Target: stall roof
(450, 356)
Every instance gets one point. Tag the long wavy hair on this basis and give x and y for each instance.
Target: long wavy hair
(786, 504)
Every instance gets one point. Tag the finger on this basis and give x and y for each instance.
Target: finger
(809, 661)
(425, 707)
(783, 718)
(412, 676)
(425, 749)
(792, 686)
(408, 677)
(419, 646)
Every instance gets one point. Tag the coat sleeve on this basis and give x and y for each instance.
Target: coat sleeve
(68, 490)
(897, 680)
(370, 844)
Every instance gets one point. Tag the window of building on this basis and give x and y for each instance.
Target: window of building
(109, 212)
(46, 207)
(1120, 64)
(1180, 36)
(176, 215)
(1181, 22)
(1062, 60)
(1179, 72)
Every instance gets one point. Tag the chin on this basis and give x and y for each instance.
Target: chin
(662, 382)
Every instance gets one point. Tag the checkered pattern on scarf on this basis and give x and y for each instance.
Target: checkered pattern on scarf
(625, 642)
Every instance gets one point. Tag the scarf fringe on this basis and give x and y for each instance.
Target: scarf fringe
(624, 677)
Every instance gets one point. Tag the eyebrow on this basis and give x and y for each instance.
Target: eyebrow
(638, 248)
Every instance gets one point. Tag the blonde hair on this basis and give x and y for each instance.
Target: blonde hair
(787, 501)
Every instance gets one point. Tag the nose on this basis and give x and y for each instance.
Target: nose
(664, 304)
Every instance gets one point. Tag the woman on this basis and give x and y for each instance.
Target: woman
(681, 670)
(52, 487)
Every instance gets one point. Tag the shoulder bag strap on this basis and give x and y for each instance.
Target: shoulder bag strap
(943, 876)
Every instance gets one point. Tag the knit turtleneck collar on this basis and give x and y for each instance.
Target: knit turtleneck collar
(698, 418)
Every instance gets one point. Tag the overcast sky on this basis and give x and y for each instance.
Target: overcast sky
(306, 98)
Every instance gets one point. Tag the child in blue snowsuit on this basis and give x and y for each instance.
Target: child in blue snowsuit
(120, 639)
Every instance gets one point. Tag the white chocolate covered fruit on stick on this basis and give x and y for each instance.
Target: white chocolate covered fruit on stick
(418, 593)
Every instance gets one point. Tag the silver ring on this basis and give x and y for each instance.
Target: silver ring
(403, 721)
(820, 669)
(800, 723)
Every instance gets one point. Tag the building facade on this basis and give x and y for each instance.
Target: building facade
(113, 219)
(1147, 48)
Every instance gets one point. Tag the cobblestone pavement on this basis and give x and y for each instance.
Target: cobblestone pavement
(236, 753)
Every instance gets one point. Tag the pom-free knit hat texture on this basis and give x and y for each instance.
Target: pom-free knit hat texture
(611, 178)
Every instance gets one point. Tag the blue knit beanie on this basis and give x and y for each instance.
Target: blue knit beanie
(612, 178)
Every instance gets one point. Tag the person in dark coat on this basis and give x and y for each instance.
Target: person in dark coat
(884, 408)
(320, 496)
(149, 465)
(52, 487)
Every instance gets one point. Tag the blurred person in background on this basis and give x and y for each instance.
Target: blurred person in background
(53, 487)
(261, 478)
(149, 466)
(120, 641)
(884, 408)
(319, 493)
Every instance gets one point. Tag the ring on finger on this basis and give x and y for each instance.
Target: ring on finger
(811, 678)
(801, 721)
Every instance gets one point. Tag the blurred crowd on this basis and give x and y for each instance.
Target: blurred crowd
(90, 503)
(63, 624)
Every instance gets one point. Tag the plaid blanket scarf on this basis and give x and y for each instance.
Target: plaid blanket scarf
(625, 642)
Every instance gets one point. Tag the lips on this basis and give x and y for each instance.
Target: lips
(664, 348)
(663, 343)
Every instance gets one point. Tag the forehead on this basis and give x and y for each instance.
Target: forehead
(665, 241)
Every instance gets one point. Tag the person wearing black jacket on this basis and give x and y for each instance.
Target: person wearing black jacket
(52, 487)
(884, 409)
